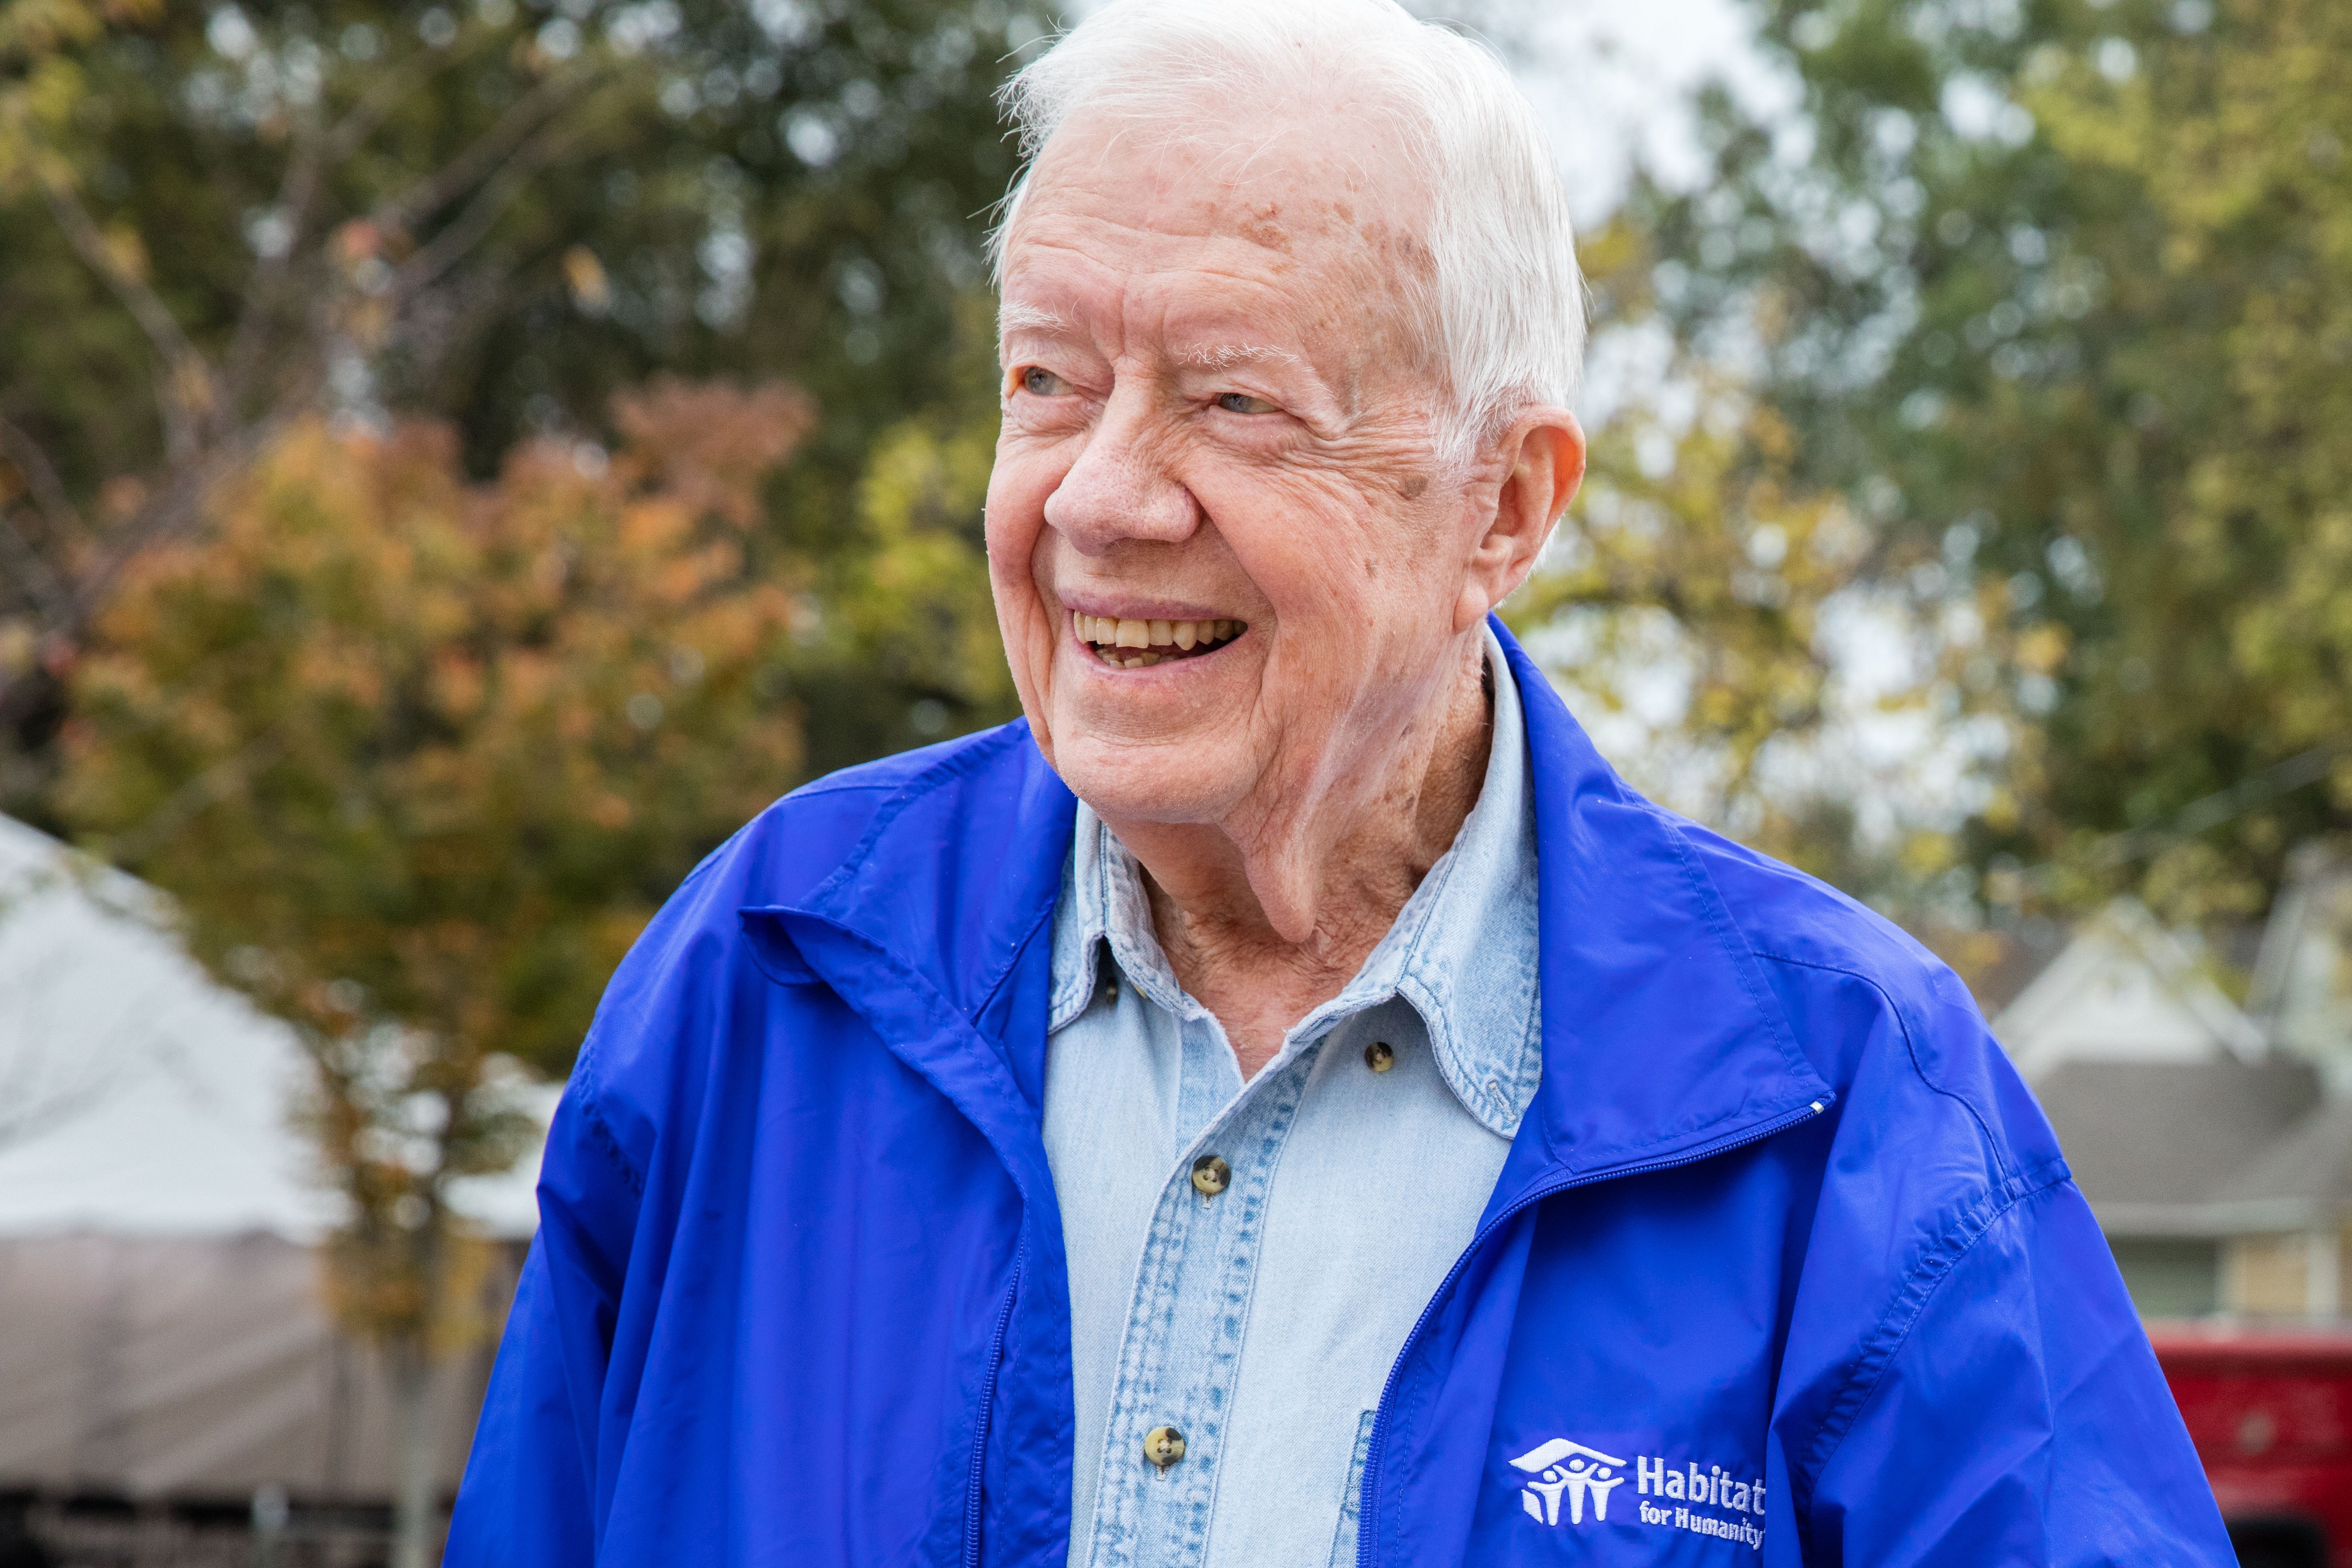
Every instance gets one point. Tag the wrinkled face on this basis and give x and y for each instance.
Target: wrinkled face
(1226, 565)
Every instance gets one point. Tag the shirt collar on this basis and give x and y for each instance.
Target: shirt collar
(1464, 951)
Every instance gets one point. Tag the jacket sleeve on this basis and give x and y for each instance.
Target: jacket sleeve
(2018, 1417)
(532, 1493)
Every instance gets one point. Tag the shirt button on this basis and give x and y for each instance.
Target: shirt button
(1211, 1176)
(1378, 1057)
(1164, 1446)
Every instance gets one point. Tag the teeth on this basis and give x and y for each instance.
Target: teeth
(1107, 633)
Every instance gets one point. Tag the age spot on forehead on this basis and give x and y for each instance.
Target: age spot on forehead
(1262, 224)
(1414, 486)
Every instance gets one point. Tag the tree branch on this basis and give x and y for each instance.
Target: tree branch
(47, 590)
(183, 805)
(24, 559)
(169, 513)
(377, 103)
(490, 204)
(173, 512)
(188, 389)
(296, 193)
(41, 480)
(528, 114)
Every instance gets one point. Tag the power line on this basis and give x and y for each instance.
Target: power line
(2199, 815)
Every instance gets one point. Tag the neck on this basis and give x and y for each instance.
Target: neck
(1268, 914)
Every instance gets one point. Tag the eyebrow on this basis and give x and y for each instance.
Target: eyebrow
(1221, 356)
(1029, 318)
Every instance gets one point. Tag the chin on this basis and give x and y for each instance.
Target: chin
(1138, 781)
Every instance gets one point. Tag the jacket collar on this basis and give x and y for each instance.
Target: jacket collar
(1661, 1038)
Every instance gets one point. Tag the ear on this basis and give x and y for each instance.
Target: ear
(1542, 459)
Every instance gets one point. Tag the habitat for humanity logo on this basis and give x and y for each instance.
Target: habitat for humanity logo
(1560, 1466)
(1692, 1497)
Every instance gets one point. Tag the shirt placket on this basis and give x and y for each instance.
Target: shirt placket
(1181, 1353)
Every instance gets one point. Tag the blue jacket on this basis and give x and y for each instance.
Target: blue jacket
(1783, 1239)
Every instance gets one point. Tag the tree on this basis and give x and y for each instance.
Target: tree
(417, 757)
(2051, 291)
(1691, 605)
(217, 221)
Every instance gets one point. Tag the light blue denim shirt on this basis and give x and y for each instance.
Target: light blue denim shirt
(1261, 1321)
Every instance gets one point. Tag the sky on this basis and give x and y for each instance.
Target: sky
(1614, 81)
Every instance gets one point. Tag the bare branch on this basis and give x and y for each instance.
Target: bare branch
(41, 480)
(490, 204)
(375, 105)
(25, 560)
(317, 152)
(184, 805)
(527, 114)
(167, 515)
(173, 511)
(188, 383)
(48, 590)
(296, 193)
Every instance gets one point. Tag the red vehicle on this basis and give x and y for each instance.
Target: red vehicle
(2270, 1412)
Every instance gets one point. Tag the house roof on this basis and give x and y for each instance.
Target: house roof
(2123, 989)
(2154, 1145)
(2310, 1168)
(2177, 1116)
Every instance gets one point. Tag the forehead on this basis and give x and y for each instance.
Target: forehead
(1314, 220)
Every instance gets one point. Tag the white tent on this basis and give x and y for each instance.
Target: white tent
(163, 1329)
(138, 1097)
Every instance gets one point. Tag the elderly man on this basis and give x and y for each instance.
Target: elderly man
(1287, 1102)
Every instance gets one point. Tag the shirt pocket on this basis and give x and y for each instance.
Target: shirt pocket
(1351, 1501)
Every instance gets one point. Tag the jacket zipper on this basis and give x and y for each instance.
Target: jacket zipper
(1368, 1506)
(987, 1410)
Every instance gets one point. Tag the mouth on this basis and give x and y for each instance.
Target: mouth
(1139, 644)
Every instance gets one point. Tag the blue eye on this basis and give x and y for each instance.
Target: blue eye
(1243, 403)
(1043, 382)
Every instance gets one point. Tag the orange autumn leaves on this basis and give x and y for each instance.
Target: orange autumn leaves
(406, 746)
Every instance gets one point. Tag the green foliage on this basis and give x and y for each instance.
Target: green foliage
(410, 749)
(498, 215)
(896, 645)
(1684, 608)
(2053, 292)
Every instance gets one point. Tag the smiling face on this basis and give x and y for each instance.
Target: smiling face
(1229, 569)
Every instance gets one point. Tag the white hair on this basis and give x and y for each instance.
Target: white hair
(1504, 299)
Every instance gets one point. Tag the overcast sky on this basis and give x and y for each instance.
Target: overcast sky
(1613, 80)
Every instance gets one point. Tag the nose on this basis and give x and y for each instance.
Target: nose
(1120, 489)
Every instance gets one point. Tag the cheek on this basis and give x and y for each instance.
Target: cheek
(1015, 528)
(1337, 565)
(1017, 489)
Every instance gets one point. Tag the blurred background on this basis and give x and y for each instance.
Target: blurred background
(459, 461)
